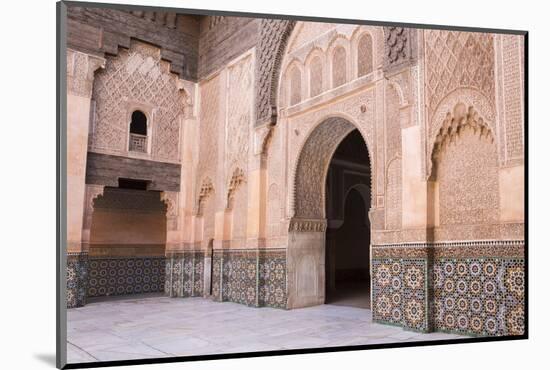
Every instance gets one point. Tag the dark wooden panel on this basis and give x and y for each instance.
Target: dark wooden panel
(116, 27)
(104, 169)
(226, 41)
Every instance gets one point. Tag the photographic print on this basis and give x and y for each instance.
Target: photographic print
(252, 184)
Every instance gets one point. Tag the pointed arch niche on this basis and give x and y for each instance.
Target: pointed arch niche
(464, 178)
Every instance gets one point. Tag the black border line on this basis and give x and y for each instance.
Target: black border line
(526, 175)
(190, 11)
(61, 188)
(287, 352)
(61, 185)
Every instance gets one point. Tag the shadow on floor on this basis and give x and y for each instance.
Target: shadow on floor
(123, 297)
(352, 294)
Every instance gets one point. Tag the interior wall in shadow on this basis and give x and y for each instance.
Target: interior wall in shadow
(348, 234)
(127, 243)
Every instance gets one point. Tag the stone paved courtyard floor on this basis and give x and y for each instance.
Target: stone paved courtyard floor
(156, 326)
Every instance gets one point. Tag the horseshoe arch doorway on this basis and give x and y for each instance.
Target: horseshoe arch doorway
(333, 169)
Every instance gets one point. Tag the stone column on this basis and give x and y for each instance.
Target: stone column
(257, 187)
(414, 185)
(208, 256)
(306, 262)
(174, 279)
(80, 76)
(171, 199)
(189, 157)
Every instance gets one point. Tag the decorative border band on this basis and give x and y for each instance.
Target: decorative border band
(507, 248)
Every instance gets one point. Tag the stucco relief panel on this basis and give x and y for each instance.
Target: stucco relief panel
(458, 59)
(209, 126)
(459, 68)
(393, 203)
(239, 115)
(471, 99)
(468, 179)
(137, 76)
(509, 56)
(275, 171)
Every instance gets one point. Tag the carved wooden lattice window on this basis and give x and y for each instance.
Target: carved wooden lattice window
(315, 77)
(339, 67)
(364, 55)
(295, 86)
(138, 132)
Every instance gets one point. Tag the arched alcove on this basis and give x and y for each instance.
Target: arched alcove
(127, 242)
(464, 175)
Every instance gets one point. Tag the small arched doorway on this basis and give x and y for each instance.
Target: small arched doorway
(348, 228)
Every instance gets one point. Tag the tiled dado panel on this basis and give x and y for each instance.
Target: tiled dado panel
(185, 274)
(240, 277)
(272, 279)
(77, 275)
(251, 277)
(125, 275)
(472, 288)
(400, 292)
(480, 290)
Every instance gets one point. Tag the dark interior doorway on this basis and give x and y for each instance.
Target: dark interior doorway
(348, 233)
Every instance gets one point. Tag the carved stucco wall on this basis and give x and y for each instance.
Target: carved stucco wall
(238, 126)
(206, 210)
(393, 160)
(137, 78)
(468, 178)
(459, 67)
(510, 105)
(275, 166)
(274, 212)
(458, 59)
(239, 112)
(238, 232)
(226, 120)
(209, 126)
(207, 189)
(465, 168)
